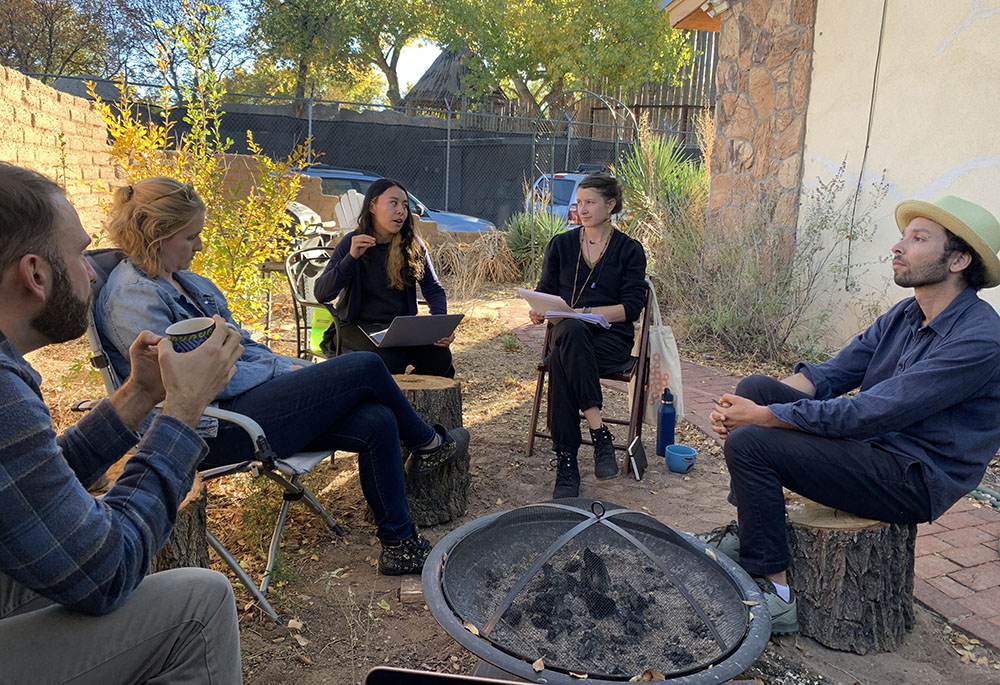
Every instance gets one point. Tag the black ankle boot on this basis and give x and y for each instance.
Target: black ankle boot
(567, 476)
(605, 463)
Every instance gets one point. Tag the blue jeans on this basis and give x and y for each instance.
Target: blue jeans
(850, 475)
(347, 403)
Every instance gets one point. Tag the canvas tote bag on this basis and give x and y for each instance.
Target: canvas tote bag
(664, 366)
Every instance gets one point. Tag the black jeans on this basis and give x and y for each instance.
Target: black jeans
(579, 353)
(429, 360)
(850, 475)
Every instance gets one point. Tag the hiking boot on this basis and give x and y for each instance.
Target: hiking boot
(605, 463)
(567, 476)
(454, 444)
(784, 615)
(400, 557)
(725, 539)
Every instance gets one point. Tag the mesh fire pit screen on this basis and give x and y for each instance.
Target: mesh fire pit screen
(593, 588)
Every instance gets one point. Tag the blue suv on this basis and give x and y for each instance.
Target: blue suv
(338, 180)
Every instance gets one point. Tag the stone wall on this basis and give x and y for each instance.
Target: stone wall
(765, 59)
(59, 135)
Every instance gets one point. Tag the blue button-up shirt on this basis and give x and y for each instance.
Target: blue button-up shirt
(57, 540)
(928, 392)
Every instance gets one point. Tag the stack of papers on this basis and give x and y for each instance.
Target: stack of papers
(556, 308)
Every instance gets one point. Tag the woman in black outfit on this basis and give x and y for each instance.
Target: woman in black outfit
(375, 271)
(595, 269)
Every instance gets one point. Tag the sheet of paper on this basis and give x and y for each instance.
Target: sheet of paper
(556, 308)
(543, 302)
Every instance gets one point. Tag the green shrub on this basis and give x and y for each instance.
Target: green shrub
(753, 289)
(527, 236)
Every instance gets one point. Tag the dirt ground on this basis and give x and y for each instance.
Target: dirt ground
(352, 619)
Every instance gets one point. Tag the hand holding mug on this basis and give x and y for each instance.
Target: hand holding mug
(193, 378)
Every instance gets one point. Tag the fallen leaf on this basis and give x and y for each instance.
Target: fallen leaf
(711, 554)
(306, 660)
(499, 502)
(278, 640)
(295, 624)
(384, 605)
(301, 640)
(749, 603)
(646, 509)
(373, 562)
(686, 478)
(539, 665)
(581, 676)
(471, 628)
(315, 557)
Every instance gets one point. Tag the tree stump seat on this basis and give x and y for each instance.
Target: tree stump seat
(442, 494)
(853, 577)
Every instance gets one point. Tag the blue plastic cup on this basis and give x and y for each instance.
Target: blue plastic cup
(680, 458)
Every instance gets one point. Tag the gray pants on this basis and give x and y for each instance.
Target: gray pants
(178, 626)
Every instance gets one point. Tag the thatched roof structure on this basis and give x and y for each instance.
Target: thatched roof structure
(444, 81)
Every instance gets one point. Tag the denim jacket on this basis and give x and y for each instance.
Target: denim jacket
(131, 302)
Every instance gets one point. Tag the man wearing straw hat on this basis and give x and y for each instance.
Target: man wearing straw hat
(923, 426)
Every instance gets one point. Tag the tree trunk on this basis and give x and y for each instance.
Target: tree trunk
(853, 577)
(442, 494)
(188, 542)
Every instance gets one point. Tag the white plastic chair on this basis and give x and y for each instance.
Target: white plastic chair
(263, 462)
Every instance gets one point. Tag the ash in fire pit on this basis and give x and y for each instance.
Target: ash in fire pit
(607, 594)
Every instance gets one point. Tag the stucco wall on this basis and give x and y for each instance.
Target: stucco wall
(934, 123)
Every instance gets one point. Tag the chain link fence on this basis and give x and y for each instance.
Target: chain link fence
(475, 163)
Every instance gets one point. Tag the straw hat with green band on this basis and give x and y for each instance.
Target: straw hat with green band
(970, 222)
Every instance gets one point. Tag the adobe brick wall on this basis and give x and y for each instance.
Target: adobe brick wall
(765, 62)
(38, 125)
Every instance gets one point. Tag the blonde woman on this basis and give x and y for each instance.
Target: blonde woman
(374, 271)
(348, 403)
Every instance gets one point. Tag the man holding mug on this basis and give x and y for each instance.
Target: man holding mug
(74, 603)
(921, 429)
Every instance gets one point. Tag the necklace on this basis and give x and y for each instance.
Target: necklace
(576, 274)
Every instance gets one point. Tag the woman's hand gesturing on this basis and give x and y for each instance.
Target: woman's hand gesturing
(360, 243)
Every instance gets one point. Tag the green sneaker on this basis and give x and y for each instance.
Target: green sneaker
(784, 615)
(725, 539)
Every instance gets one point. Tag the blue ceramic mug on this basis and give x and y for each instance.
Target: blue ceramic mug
(680, 458)
(188, 334)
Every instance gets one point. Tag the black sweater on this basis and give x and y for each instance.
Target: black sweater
(619, 276)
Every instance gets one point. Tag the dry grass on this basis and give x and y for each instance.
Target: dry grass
(472, 265)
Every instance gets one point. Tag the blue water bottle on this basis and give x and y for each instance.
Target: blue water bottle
(666, 421)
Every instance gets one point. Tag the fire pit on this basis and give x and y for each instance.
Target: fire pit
(556, 591)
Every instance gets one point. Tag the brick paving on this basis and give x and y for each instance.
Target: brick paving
(957, 565)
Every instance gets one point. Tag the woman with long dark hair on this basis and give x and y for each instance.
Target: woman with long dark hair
(374, 271)
(595, 269)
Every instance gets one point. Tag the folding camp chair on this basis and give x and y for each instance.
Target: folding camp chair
(312, 317)
(285, 472)
(637, 372)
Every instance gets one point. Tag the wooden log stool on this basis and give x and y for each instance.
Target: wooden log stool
(442, 494)
(853, 577)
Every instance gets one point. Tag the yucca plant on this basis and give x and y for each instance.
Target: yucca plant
(527, 236)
